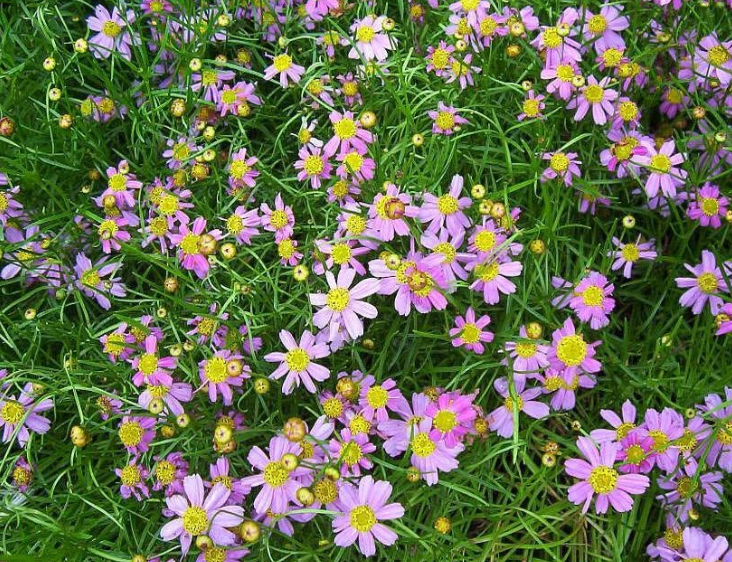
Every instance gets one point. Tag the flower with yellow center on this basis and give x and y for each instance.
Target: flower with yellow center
(297, 359)
(593, 296)
(597, 24)
(709, 206)
(612, 57)
(365, 33)
(447, 205)
(215, 370)
(362, 518)
(559, 162)
(552, 39)
(165, 472)
(470, 333)
(111, 29)
(445, 421)
(572, 350)
(445, 120)
(594, 93)
(603, 479)
(275, 474)
(131, 475)
(531, 107)
(130, 433)
(12, 412)
(313, 165)
(707, 283)
(440, 58)
(377, 397)
(628, 111)
(338, 299)
(90, 278)
(660, 164)
(333, 407)
(718, 56)
(351, 453)
(353, 162)
(422, 445)
(345, 128)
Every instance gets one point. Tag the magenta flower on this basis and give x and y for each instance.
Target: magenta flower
(446, 253)
(491, 277)
(713, 59)
(720, 450)
(112, 33)
(417, 282)
(297, 362)
(665, 428)
(431, 456)
(592, 300)
(446, 210)
(234, 98)
(117, 344)
(445, 120)
(279, 484)
(388, 214)
(220, 475)
(343, 253)
(169, 473)
(532, 106)
(563, 387)
(561, 165)
(209, 327)
(558, 46)
(369, 40)
(279, 220)
(362, 508)
(663, 167)
(211, 80)
(627, 254)
(22, 475)
(597, 97)
(121, 185)
(199, 513)
(689, 486)
(342, 305)
(398, 432)
(284, 66)
(313, 166)
(132, 478)
(348, 134)
(570, 351)
(439, 59)
(600, 478)
(222, 372)
(707, 206)
(242, 224)
(621, 426)
(603, 28)
(188, 241)
(355, 167)
(621, 156)
(468, 332)
(375, 400)
(501, 420)
(180, 153)
(136, 433)
(89, 279)
(19, 416)
(452, 417)
(351, 450)
(527, 356)
(561, 75)
(705, 287)
(636, 453)
(152, 369)
(242, 172)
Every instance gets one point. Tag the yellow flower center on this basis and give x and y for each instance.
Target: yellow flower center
(341, 253)
(363, 518)
(214, 554)
(106, 105)
(338, 299)
(422, 445)
(168, 205)
(445, 421)
(445, 120)
(165, 472)
(420, 283)
(487, 272)
(333, 407)
(597, 24)
(12, 412)
(158, 226)
(148, 364)
(297, 359)
(304, 136)
(447, 205)
(630, 253)
(181, 151)
(686, 488)
(559, 162)
(325, 491)
(195, 521)
(513, 405)
(355, 226)
(688, 441)
(675, 96)
(592, 296)
(440, 58)
(313, 165)
(377, 397)
(111, 29)
(353, 162)
(709, 206)
(189, 244)
(594, 93)
(234, 224)
(724, 434)
(531, 107)
(351, 453)
(278, 219)
(470, 333)
(282, 62)
(90, 278)
(718, 55)
(488, 26)
(107, 229)
(215, 370)
(565, 72)
(525, 349)
(365, 33)
(623, 429)
(345, 128)
(130, 433)
(130, 475)
(675, 539)
(114, 344)
(223, 480)
(228, 96)
(552, 39)
(603, 479)
(628, 111)
(286, 249)
(660, 440)
(238, 169)
(660, 164)
(350, 88)
(315, 87)
(118, 182)
(572, 350)
(21, 476)
(275, 474)
(635, 454)
(359, 424)
(707, 283)
(612, 57)
(485, 240)
(553, 383)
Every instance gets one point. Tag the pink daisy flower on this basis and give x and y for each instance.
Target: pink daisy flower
(664, 428)
(376, 400)
(491, 277)
(597, 97)
(707, 206)
(222, 372)
(603, 28)
(296, 364)
(313, 166)
(431, 456)
(713, 59)
(446, 211)
(136, 433)
(132, 478)
(663, 167)
(599, 478)
(152, 369)
(241, 170)
(706, 285)
(362, 509)
(592, 300)
(279, 220)
(348, 134)
(622, 426)
(19, 416)
(350, 449)
(369, 40)
(113, 33)
(188, 241)
(445, 120)
(287, 70)
(627, 254)
(452, 417)
(468, 332)
(570, 351)
(564, 166)
(501, 420)
(527, 356)
(388, 214)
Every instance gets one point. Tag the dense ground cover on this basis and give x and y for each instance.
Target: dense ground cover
(426, 281)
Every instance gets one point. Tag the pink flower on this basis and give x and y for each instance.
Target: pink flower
(561, 165)
(342, 305)
(112, 33)
(445, 120)
(468, 332)
(621, 426)
(243, 223)
(596, 96)
(297, 362)
(132, 479)
(452, 416)
(446, 210)
(502, 418)
(663, 166)
(532, 106)
(570, 351)
(388, 212)
(600, 478)
(152, 369)
(627, 254)
(376, 400)
(369, 41)
(665, 428)
(283, 65)
(707, 206)
(526, 357)
(348, 134)
(592, 300)
(603, 28)
(362, 508)
(313, 165)
(350, 450)
(241, 170)
(491, 277)
(706, 285)
(199, 513)
(19, 416)
(713, 59)
(136, 433)
(431, 456)
(279, 220)
(562, 76)
(222, 372)
(417, 282)
(188, 241)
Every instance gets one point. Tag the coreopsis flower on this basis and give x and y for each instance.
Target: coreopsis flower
(468, 332)
(169, 473)
(108, 406)
(362, 509)
(688, 486)
(112, 33)
(562, 76)
(233, 554)
(636, 453)
(439, 59)
(705, 287)
(376, 400)
(209, 327)
(462, 71)
(664, 171)
(220, 475)
(122, 185)
(10, 208)
(198, 513)
(725, 320)
(222, 372)
(233, 98)
(342, 305)
(700, 546)
(592, 300)
(557, 46)
(117, 344)
(279, 220)
(720, 450)
(296, 364)
(242, 224)
(342, 253)
(621, 156)
(621, 426)
(132, 478)
(446, 211)
(283, 65)
(527, 357)
(600, 478)
(445, 252)
(388, 214)
(417, 282)
(398, 432)
(90, 280)
(713, 59)
(627, 114)
(602, 28)
(627, 254)
(22, 475)
(242, 170)
(431, 456)
(313, 166)
(502, 418)
(288, 253)
(486, 240)
(355, 166)
(150, 368)
(708, 206)
(570, 351)
(369, 40)
(136, 433)
(19, 416)
(673, 102)
(348, 134)
(564, 166)
(156, 7)
(489, 27)
(350, 450)
(445, 120)
(595, 96)
(111, 233)
(665, 428)
(188, 242)
(491, 277)
(180, 152)
(532, 106)
(452, 417)
(211, 81)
